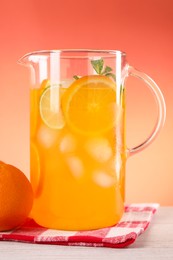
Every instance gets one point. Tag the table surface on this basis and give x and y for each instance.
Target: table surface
(155, 243)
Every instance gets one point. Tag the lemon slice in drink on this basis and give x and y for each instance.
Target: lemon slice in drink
(34, 104)
(50, 107)
(89, 105)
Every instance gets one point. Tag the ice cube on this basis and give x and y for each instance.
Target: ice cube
(67, 144)
(76, 166)
(99, 149)
(46, 136)
(103, 179)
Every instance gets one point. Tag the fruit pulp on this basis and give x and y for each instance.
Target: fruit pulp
(77, 154)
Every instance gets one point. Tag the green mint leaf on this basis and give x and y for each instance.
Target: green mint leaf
(111, 75)
(97, 65)
(107, 69)
(76, 77)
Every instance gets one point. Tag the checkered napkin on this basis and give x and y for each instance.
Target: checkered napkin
(134, 222)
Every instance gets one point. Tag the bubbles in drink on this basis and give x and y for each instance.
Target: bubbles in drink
(76, 166)
(99, 149)
(46, 136)
(67, 144)
(103, 179)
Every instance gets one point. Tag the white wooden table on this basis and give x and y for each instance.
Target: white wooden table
(156, 243)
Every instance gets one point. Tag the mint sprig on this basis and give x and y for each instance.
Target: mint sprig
(98, 66)
(100, 69)
(76, 77)
(106, 70)
(111, 75)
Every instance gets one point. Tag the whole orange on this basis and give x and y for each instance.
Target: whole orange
(16, 197)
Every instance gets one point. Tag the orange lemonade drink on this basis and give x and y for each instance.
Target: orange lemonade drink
(77, 153)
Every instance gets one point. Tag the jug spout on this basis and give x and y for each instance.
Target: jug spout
(31, 58)
(43, 65)
(38, 56)
(25, 59)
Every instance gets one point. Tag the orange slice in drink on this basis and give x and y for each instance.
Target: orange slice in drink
(45, 83)
(89, 105)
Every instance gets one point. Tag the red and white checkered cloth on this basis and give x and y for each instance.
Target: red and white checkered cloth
(134, 222)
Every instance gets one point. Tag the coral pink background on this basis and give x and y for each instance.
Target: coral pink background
(143, 29)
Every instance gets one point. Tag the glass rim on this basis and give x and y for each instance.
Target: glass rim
(75, 53)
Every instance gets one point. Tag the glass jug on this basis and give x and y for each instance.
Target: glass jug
(77, 135)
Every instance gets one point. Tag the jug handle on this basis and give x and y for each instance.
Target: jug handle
(161, 109)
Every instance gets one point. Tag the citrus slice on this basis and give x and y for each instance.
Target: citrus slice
(89, 105)
(45, 83)
(50, 108)
(34, 103)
